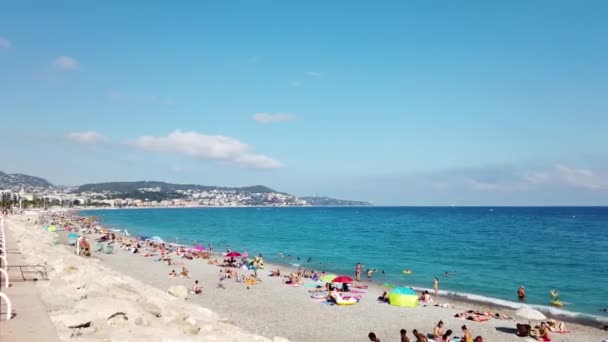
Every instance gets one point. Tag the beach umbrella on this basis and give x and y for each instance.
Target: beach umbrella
(52, 229)
(199, 248)
(342, 279)
(403, 296)
(72, 235)
(245, 255)
(530, 314)
(327, 278)
(233, 254)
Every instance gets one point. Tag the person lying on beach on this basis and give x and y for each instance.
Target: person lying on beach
(501, 316)
(213, 262)
(276, 273)
(196, 288)
(557, 326)
(173, 274)
(185, 273)
(383, 297)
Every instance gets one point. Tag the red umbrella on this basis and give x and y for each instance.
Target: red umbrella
(233, 254)
(342, 279)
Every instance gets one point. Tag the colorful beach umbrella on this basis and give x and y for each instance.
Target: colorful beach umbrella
(342, 279)
(403, 296)
(245, 255)
(199, 248)
(233, 254)
(327, 278)
(72, 235)
(52, 229)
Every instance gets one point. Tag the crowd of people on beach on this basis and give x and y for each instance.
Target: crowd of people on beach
(175, 255)
(440, 334)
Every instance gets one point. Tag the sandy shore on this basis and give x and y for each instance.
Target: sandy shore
(268, 309)
(115, 307)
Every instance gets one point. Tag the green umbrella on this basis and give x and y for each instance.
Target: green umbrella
(327, 278)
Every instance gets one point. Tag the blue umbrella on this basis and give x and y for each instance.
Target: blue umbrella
(72, 235)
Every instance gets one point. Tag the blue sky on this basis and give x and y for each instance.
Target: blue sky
(400, 103)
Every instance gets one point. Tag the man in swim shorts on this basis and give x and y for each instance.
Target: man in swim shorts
(521, 294)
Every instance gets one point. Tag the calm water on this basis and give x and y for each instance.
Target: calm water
(489, 252)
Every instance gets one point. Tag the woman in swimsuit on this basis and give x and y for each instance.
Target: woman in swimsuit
(468, 337)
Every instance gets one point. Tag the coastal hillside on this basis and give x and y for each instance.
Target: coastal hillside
(40, 192)
(17, 181)
(153, 186)
(320, 200)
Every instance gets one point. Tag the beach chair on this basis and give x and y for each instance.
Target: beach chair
(109, 249)
(98, 247)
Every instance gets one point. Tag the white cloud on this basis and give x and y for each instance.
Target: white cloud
(88, 137)
(314, 74)
(537, 177)
(5, 43)
(265, 118)
(582, 178)
(295, 84)
(66, 63)
(213, 147)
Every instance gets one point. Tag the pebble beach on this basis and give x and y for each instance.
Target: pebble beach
(92, 289)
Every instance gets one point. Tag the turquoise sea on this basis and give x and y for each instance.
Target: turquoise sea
(487, 252)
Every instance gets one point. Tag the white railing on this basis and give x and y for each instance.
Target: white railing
(3, 271)
(9, 306)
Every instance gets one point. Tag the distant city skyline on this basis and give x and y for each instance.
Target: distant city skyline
(397, 103)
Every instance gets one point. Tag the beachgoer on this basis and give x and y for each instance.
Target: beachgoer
(280, 254)
(419, 337)
(447, 337)
(543, 333)
(372, 337)
(404, 337)
(173, 274)
(468, 337)
(383, 297)
(358, 269)
(185, 273)
(220, 284)
(557, 326)
(436, 287)
(521, 294)
(196, 288)
(438, 330)
(369, 273)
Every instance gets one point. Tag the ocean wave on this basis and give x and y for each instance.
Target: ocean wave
(549, 310)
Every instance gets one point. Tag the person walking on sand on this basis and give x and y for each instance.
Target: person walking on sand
(369, 273)
(521, 294)
(404, 337)
(436, 287)
(358, 269)
(372, 337)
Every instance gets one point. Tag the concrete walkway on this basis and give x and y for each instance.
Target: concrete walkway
(31, 321)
